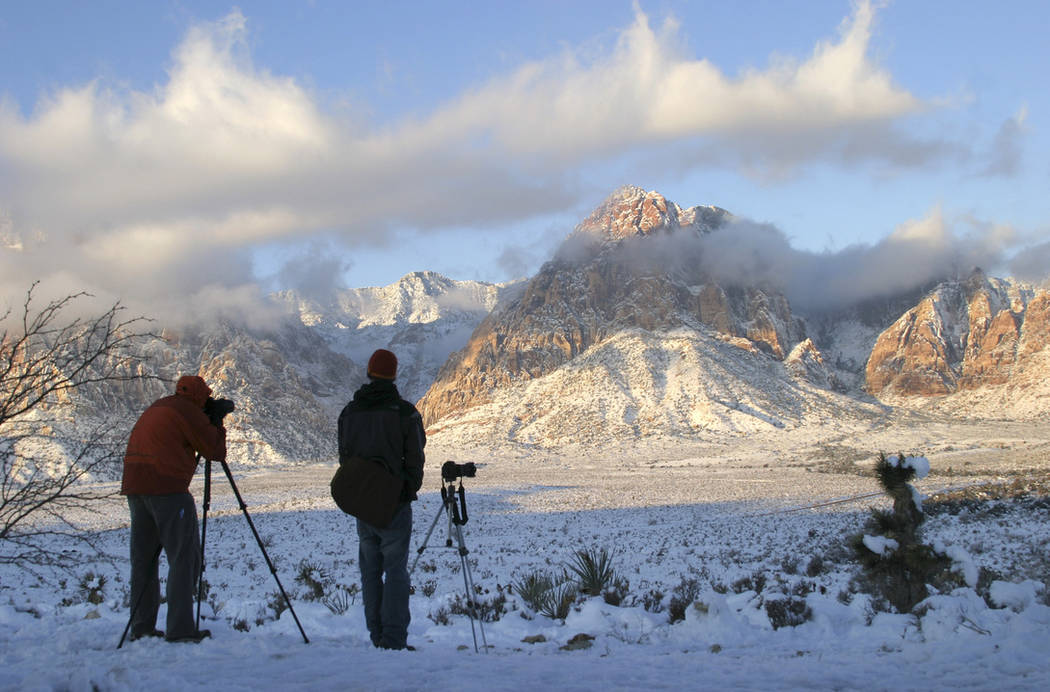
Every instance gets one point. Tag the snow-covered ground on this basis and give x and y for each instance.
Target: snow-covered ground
(719, 532)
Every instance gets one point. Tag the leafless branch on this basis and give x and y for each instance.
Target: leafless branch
(47, 365)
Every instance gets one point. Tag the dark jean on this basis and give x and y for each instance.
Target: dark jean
(168, 522)
(383, 555)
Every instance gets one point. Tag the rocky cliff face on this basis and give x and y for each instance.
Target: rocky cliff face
(290, 378)
(963, 335)
(422, 318)
(612, 274)
(284, 380)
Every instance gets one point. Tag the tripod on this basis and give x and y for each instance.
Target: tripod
(457, 517)
(204, 531)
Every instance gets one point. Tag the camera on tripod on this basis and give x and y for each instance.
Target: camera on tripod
(450, 470)
(217, 409)
(454, 507)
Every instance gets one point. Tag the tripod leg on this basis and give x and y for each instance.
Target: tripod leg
(204, 532)
(269, 563)
(426, 539)
(468, 586)
(138, 601)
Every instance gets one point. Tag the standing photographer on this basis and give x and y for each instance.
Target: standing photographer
(379, 424)
(159, 463)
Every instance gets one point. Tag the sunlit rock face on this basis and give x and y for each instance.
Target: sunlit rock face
(963, 335)
(618, 270)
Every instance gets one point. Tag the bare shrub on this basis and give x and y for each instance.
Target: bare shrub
(49, 356)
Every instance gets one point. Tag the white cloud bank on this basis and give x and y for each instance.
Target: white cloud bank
(156, 196)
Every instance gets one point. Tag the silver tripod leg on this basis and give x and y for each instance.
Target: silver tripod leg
(468, 586)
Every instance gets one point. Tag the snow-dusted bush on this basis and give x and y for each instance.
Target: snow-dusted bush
(787, 612)
(683, 596)
(311, 577)
(533, 589)
(91, 588)
(896, 566)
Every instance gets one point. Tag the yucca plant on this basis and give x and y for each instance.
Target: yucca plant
(533, 589)
(896, 564)
(558, 601)
(593, 570)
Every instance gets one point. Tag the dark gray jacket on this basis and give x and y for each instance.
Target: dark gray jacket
(379, 425)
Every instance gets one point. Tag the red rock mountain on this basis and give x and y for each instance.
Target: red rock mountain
(963, 335)
(616, 271)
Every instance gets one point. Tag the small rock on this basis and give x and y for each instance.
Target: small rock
(578, 642)
(534, 639)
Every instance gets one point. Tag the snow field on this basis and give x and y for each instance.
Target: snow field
(731, 557)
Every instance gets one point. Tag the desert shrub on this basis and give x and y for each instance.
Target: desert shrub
(313, 579)
(815, 567)
(276, 604)
(593, 570)
(442, 616)
(787, 612)
(682, 597)
(340, 600)
(485, 609)
(755, 582)
(91, 588)
(533, 589)
(559, 601)
(617, 592)
(653, 601)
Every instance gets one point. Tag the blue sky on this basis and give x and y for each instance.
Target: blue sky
(196, 151)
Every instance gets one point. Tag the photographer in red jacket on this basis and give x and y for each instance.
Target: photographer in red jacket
(159, 463)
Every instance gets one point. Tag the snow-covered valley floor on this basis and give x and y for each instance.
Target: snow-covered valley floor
(716, 533)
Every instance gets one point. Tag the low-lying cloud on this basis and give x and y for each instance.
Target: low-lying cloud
(744, 253)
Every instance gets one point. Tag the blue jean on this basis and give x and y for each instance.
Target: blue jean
(383, 556)
(168, 522)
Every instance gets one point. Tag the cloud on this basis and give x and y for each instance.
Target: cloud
(1032, 263)
(1006, 155)
(746, 253)
(917, 253)
(648, 90)
(315, 273)
(155, 195)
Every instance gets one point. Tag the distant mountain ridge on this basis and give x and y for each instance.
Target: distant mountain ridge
(616, 282)
(620, 335)
(290, 376)
(423, 318)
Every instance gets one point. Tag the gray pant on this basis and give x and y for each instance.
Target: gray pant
(383, 554)
(168, 522)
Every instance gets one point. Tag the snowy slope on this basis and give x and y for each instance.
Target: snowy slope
(680, 384)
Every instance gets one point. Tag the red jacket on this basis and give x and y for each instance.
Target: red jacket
(161, 455)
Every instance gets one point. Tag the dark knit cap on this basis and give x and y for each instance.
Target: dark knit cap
(382, 365)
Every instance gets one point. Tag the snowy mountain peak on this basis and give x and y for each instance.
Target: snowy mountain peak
(632, 211)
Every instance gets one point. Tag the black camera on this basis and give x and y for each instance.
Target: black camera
(217, 409)
(450, 470)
